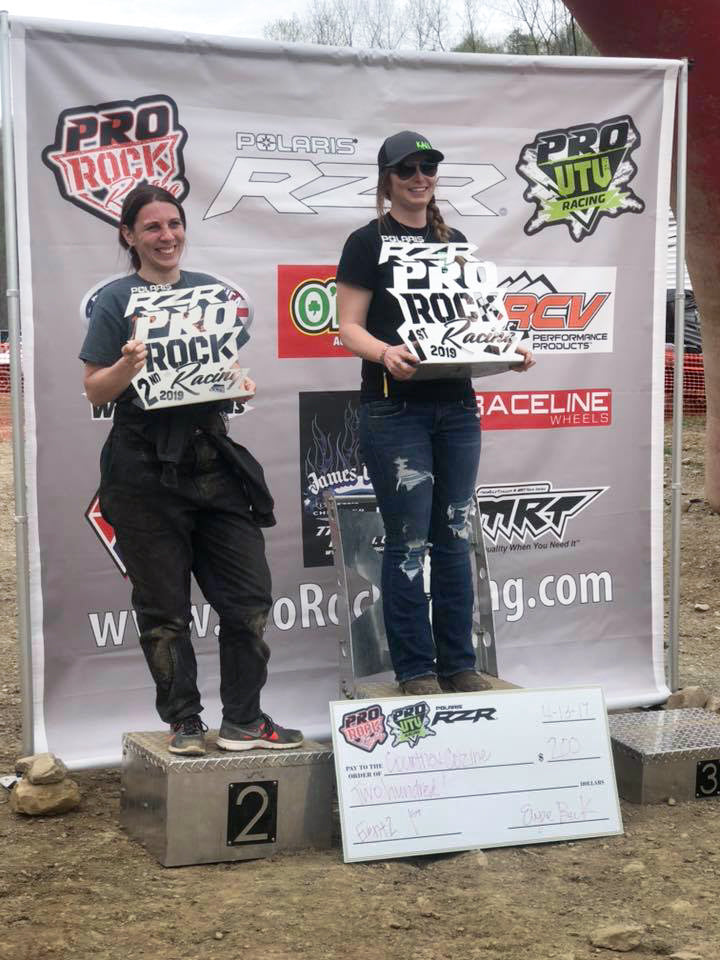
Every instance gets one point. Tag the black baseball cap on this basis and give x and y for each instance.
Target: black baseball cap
(402, 145)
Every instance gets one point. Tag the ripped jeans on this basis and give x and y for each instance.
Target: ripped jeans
(204, 527)
(422, 458)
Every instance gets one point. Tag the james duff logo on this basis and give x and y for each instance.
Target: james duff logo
(364, 729)
(101, 152)
(580, 174)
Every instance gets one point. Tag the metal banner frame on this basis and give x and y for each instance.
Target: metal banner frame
(18, 434)
(357, 529)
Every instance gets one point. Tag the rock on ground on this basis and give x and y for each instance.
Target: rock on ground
(618, 936)
(46, 768)
(36, 800)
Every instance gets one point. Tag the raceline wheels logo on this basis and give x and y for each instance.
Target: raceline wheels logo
(516, 511)
(580, 174)
(101, 152)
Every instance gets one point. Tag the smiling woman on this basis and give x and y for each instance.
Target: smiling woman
(420, 440)
(181, 496)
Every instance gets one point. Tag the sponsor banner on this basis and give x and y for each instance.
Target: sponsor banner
(270, 203)
(329, 461)
(545, 409)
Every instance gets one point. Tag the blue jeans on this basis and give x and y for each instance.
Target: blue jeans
(422, 458)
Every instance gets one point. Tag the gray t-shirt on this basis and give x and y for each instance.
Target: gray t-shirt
(110, 328)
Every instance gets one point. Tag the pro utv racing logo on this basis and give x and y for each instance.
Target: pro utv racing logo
(580, 174)
(101, 152)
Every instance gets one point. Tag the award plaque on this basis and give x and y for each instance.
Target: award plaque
(193, 338)
(454, 319)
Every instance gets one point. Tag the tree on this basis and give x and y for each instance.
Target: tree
(473, 36)
(545, 27)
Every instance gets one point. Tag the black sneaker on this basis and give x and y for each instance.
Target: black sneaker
(188, 737)
(263, 732)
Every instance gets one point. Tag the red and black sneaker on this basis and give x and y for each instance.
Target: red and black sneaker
(263, 732)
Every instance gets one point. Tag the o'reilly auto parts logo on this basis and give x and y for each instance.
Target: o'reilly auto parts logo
(307, 314)
(102, 151)
(580, 174)
(518, 511)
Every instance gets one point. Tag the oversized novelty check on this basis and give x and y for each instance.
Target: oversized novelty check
(460, 771)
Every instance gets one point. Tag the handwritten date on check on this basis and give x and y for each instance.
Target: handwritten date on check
(464, 771)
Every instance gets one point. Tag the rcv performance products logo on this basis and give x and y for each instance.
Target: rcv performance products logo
(578, 175)
(102, 151)
(294, 185)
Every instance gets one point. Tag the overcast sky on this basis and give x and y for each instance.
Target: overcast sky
(238, 18)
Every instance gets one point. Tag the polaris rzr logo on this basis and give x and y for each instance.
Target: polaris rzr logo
(101, 152)
(517, 511)
(580, 174)
(291, 185)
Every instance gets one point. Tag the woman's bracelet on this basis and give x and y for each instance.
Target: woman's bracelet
(385, 349)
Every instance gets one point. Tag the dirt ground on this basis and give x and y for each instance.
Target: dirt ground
(76, 887)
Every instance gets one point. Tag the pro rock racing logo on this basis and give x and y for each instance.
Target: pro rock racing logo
(364, 728)
(410, 724)
(517, 511)
(101, 152)
(580, 174)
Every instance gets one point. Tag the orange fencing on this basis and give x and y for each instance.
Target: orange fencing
(693, 384)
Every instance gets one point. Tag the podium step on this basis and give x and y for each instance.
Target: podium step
(224, 806)
(666, 753)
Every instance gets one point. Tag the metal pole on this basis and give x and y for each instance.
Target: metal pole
(676, 508)
(13, 305)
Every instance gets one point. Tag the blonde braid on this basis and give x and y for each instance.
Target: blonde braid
(440, 230)
(381, 195)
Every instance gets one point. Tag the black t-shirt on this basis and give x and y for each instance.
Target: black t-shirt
(359, 265)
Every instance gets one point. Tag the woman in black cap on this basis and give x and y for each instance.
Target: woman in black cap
(420, 439)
